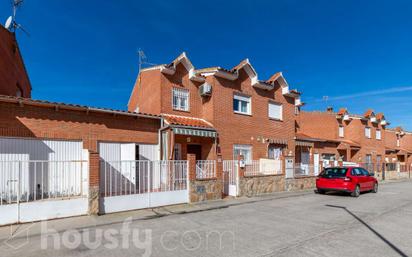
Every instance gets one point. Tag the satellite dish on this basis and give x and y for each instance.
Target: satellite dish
(8, 22)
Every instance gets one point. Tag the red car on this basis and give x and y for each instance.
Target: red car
(353, 180)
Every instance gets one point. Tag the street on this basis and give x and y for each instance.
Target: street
(300, 225)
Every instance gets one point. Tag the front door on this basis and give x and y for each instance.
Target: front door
(196, 150)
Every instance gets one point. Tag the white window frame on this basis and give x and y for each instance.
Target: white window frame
(243, 98)
(177, 95)
(367, 132)
(279, 114)
(242, 149)
(398, 142)
(378, 134)
(275, 151)
(341, 131)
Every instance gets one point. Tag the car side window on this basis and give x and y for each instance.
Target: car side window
(356, 172)
(365, 172)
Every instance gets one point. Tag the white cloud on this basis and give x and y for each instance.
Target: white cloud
(368, 93)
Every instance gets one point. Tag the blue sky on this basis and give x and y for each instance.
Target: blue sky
(359, 53)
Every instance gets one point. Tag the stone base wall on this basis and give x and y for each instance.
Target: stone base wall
(203, 190)
(257, 185)
(94, 199)
(393, 175)
(297, 184)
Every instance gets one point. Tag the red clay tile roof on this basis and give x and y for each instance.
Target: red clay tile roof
(240, 65)
(350, 143)
(43, 103)
(274, 77)
(295, 91)
(399, 129)
(380, 116)
(368, 113)
(342, 111)
(303, 136)
(186, 121)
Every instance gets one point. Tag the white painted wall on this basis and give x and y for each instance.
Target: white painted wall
(45, 210)
(141, 201)
(45, 165)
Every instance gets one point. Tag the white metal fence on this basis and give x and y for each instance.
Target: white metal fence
(263, 167)
(230, 177)
(33, 180)
(205, 169)
(139, 177)
(303, 169)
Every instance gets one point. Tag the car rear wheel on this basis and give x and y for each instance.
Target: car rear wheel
(375, 188)
(356, 192)
(320, 191)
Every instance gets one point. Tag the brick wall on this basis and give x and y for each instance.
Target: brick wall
(218, 109)
(325, 125)
(42, 122)
(13, 76)
(251, 129)
(372, 146)
(322, 125)
(146, 93)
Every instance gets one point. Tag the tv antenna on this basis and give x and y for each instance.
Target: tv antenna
(143, 59)
(325, 98)
(11, 23)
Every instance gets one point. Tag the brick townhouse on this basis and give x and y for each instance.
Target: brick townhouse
(14, 80)
(398, 145)
(215, 110)
(344, 136)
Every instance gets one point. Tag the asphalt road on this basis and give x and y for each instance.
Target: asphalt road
(309, 225)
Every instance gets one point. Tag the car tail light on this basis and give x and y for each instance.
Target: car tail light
(347, 179)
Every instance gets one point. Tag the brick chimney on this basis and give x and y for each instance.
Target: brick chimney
(329, 109)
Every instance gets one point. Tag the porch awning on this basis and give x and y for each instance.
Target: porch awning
(277, 141)
(194, 132)
(304, 143)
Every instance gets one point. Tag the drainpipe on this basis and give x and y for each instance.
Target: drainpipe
(162, 127)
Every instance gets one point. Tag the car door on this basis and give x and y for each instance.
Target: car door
(360, 178)
(368, 179)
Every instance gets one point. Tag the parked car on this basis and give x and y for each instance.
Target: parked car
(353, 180)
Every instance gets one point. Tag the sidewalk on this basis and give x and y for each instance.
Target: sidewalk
(84, 222)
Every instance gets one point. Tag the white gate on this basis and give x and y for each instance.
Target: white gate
(42, 179)
(130, 185)
(40, 190)
(230, 177)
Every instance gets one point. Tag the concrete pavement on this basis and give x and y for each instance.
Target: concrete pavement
(284, 224)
